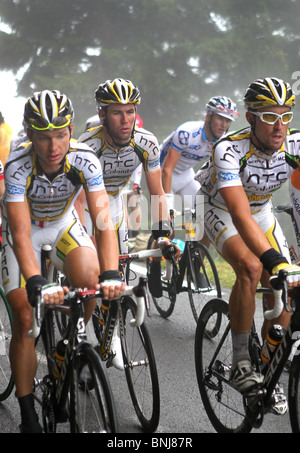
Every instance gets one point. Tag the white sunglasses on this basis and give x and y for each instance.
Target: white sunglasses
(271, 117)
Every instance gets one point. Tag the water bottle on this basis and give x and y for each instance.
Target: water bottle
(59, 357)
(274, 337)
(189, 226)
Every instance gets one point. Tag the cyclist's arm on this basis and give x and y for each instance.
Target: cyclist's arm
(20, 228)
(159, 207)
(80, 206)
(105, 236)
(168, 167)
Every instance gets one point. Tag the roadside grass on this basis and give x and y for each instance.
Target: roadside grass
(226, 274)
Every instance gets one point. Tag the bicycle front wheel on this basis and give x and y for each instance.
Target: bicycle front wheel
(166, 302)
(202, 277)
(224, 405)
(92, 408)
(140, 368)
(6, 381)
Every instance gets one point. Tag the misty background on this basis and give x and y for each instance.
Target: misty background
(178, 52)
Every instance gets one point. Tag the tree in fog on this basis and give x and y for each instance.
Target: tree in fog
(179, 52)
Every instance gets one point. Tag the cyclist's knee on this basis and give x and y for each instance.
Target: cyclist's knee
(248, 269)
(21, 311)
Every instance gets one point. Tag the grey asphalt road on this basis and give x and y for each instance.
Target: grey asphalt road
(182, 411)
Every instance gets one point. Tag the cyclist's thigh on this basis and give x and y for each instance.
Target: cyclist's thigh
(11, 274)
(185, 185)
(73, 250)
(217, 223)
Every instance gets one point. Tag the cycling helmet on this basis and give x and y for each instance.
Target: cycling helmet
(223, 106)
(267, 93)
(117, 91)
(48, 110)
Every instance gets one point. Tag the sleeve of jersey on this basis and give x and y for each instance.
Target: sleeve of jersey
(226, 163)
(180, 139)
(148, 145)
(15, 182)
(92, 172)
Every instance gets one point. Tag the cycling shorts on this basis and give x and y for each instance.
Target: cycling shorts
(219, 227)
(186, 186)
(63, 235)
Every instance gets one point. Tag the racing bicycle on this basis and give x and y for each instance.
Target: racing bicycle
(81, 394)
(138, 356)
(228, 410)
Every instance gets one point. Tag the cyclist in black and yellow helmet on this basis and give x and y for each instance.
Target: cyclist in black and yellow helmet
(43, 178)
(247, 167)
(262, 96)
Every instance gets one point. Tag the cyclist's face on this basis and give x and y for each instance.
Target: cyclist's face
(271, 135)
(219, 125)
(51, 147)
(120, 121)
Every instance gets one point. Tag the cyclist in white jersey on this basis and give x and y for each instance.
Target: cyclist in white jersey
(190, 144)
(43, 177)
(121, 148)
(246, 168)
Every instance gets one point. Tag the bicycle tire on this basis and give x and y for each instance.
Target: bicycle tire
(223, 405)
(140, 368)
(6, 381)
(92, 408)
(202, 265)
(294, 394)
(166, 303)
(57, 276)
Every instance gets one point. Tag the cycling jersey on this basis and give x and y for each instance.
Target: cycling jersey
(51, 198)
(190, 140)
(51, 204)
(118, 166)
(236, 162)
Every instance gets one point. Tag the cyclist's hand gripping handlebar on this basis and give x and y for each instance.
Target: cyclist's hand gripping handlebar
(170, 251)
(280, 290)
(36, 313)
(139, 291)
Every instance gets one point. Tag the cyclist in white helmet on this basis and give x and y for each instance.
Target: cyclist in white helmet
(246, 168)
(43, 178)
(121, 147)
(190, 144)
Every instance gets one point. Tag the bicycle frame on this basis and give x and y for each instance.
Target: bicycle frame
(76, 335)
(140, 292)
(284, 349)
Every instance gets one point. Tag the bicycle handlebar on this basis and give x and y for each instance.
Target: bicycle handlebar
(153, 253)
(139, 291)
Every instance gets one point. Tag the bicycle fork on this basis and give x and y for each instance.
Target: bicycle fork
(109, 330)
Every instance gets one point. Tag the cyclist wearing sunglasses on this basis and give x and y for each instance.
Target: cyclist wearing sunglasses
(247, 166)
(43, 177)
